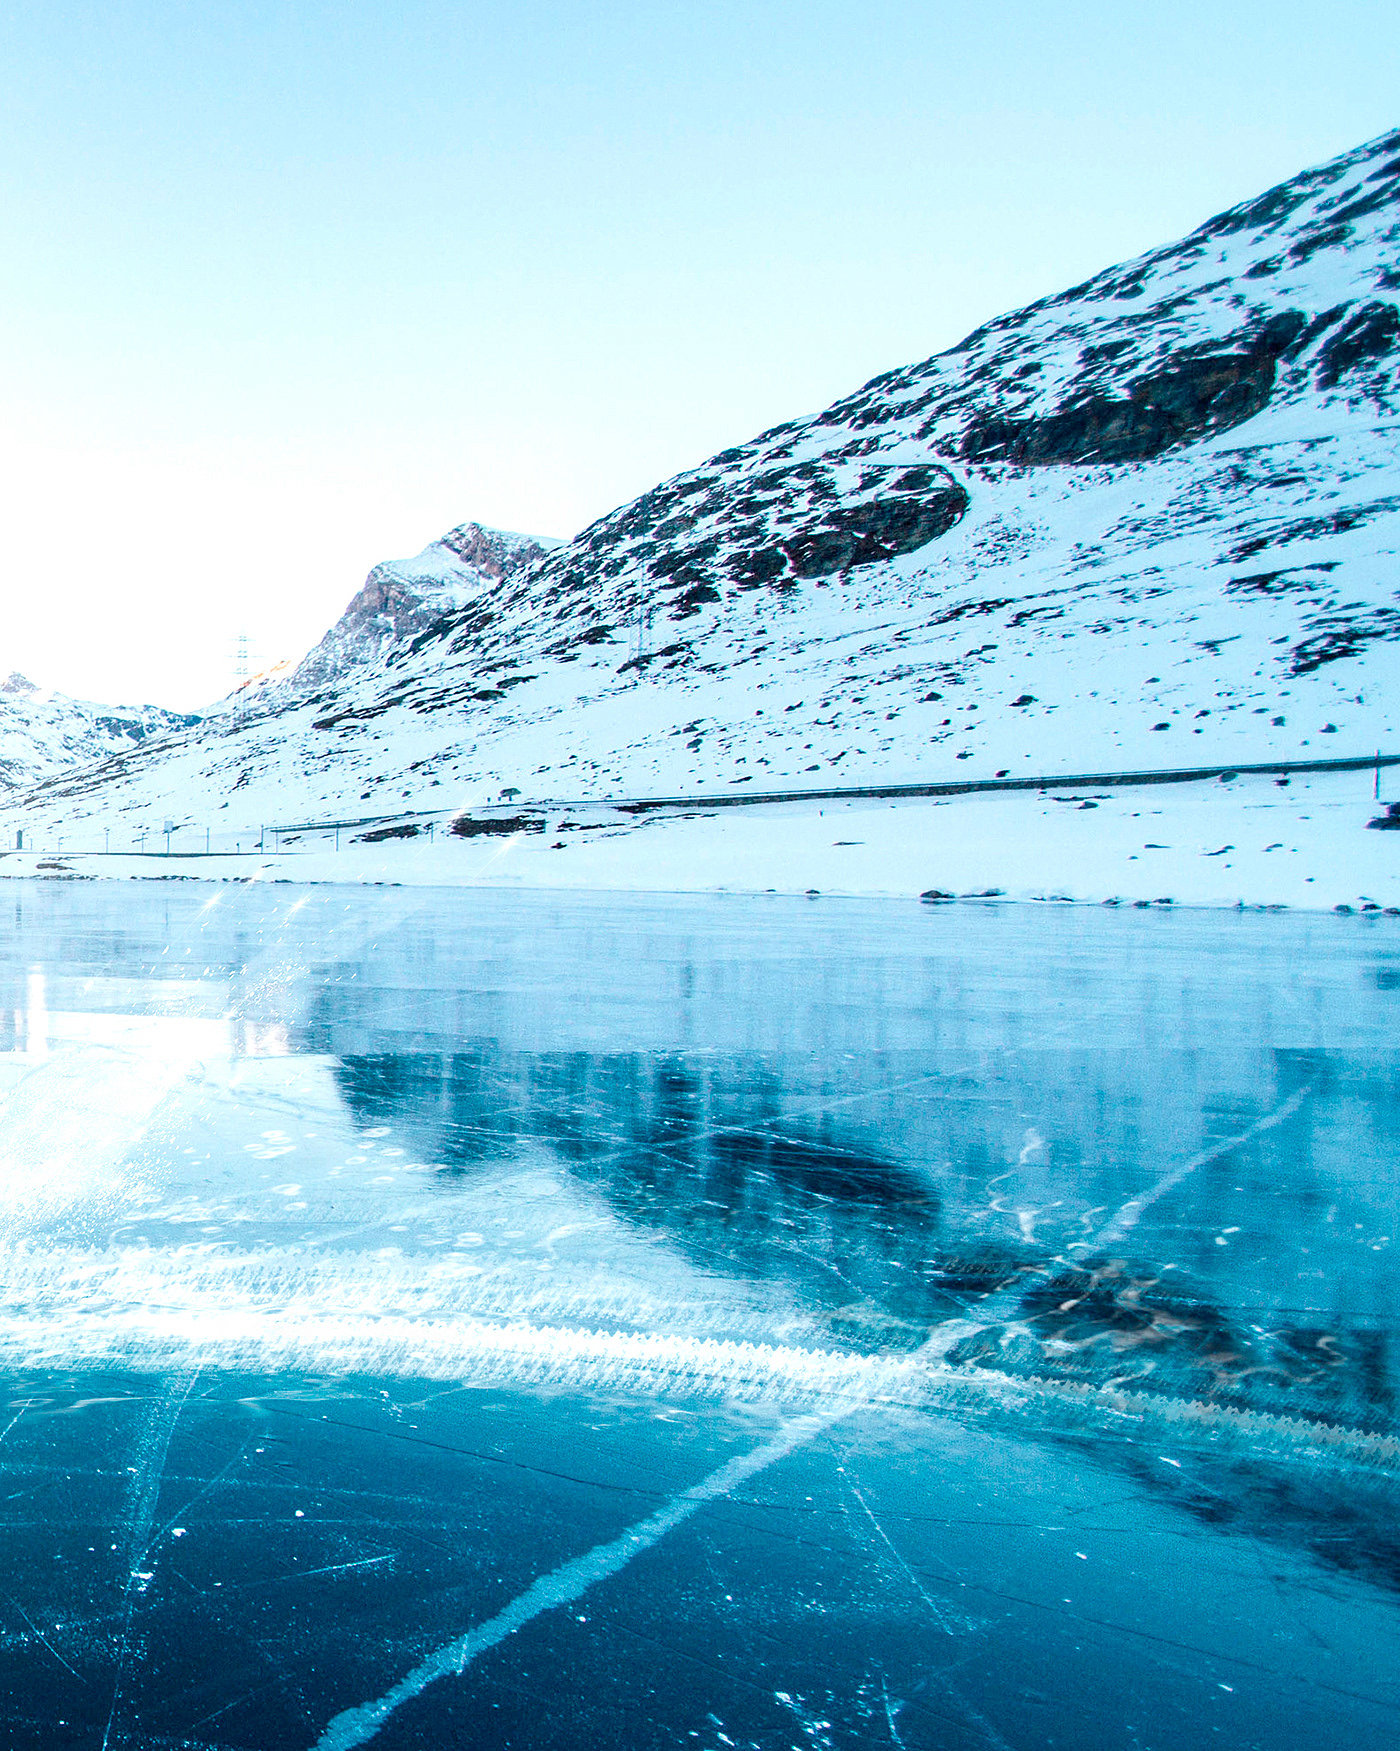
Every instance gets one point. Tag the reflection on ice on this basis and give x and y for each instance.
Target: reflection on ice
(1099, 1197)
(303, 1110)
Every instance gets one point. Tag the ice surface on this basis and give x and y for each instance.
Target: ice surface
(441, 1318)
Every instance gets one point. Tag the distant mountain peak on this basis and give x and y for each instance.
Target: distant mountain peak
(46, 735)
(400, 599)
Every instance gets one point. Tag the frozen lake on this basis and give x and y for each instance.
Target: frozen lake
(460, 1319)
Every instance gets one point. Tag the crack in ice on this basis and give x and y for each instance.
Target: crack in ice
(561, 1586)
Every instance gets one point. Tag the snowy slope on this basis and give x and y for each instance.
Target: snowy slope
(399, 599)
(43, 733)
(1149, 522)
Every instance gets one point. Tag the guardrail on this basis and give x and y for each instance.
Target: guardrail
(750, 798)
(970, 786)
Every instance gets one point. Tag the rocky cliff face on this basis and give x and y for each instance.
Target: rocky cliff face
(399, 599)
(1151, 521)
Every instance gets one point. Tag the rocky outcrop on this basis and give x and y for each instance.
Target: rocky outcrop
(1368, 338)
(1192, 396)
(400, 600)
(697, 537)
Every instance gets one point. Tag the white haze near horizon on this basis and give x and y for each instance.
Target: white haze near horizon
(293, 288)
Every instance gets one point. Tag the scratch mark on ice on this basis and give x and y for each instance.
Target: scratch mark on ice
(1118, 1227)
(891, 1711)
(357, 1726)
(13, 1420)
(140, 1520)
(907, 1572)
(35, 1630)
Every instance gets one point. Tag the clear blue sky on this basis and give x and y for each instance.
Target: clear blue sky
(290, 288)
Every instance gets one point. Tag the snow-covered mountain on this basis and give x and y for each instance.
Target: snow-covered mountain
(1149, 522)
(399, 599)
(43, 733)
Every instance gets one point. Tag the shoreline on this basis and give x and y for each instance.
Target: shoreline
(1249, 840)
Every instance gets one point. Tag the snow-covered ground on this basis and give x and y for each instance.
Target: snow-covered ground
(1250, 840)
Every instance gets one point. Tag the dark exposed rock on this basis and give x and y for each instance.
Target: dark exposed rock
(1328, 238)
(1317, 326)
(692, 600)
(483, 826)
(1337, 636)
(752, 567)
(1387, 195)
(963, 610)
(1194, 396)
(405, 830)
(1314, 528)
(1279, 583)
(1372, 333)
(768, 527)
(870, 532)
(1266, 209)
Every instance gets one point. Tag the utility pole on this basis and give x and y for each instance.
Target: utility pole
(240, 677)
(643, 638)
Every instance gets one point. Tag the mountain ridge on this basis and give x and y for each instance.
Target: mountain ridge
(1160, 505)
(399, 599)
(44, 733)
